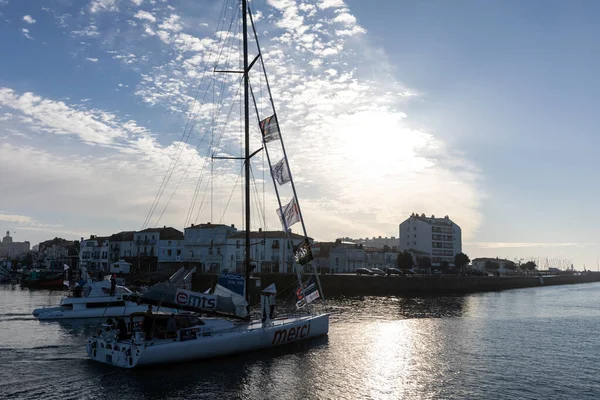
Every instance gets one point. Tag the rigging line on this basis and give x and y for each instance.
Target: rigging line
(199, 208)
(295, 198)
(191, 121)
(233, 18)
(261, 211)
(180, 144)
(195, 196)
(219, 138)
(231, 195)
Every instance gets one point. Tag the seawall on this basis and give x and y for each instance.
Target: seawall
(361, 285)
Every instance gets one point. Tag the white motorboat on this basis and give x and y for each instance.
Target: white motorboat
(93, 300)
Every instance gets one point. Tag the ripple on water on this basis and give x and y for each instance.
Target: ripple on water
(526, 344)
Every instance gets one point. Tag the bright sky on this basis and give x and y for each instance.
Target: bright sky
(480, 110)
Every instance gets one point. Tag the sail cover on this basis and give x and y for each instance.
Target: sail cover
(220, 302)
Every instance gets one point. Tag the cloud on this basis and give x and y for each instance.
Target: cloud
(323, 4)
(28, 19)
(20, 219)
(360, 164)
(90, 126)
(103, 5)
(26, 33)
(145, 15)
(90, 59)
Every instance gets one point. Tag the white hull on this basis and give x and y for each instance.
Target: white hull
(208, 341)
(52, 313)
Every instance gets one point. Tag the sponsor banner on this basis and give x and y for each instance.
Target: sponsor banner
(233, 282)
(303, 253)
(195, 299)
(311, 291)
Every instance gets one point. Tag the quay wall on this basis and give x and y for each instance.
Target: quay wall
(365, 285)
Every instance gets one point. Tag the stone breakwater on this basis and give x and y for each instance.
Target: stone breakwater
(361, 285)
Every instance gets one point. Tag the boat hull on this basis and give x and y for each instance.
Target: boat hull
(207, 344)
(55, 313)
(44, 283)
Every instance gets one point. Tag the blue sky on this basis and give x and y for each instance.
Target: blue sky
(480, 110)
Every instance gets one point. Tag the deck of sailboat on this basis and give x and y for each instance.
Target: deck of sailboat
(234, 327)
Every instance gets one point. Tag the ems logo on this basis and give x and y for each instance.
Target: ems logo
(182, 298)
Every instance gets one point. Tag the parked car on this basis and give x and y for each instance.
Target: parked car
(393, 271)
(363, 271)
(377, 271)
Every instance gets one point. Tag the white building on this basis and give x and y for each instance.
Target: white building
(122, 246)
(205, 244)
(270, 250)
(376, 242)
(483, 263)
(340, 256)
(166, 244)
(94, 252)
(11, 249)
(439, 237)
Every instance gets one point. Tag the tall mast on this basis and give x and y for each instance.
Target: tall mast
(247, 144)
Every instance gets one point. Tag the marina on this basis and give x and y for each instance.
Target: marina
(528, 343)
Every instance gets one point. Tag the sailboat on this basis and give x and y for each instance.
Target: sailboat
(191, 337)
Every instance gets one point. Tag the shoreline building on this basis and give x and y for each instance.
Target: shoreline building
(376, 242)
(440, 238)
(11, 249)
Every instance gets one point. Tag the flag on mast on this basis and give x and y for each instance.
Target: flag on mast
(269, 128)
(281, 172)
(291, 213)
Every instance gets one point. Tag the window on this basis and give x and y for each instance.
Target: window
(337, 261)
(179, 252)
(169, 252)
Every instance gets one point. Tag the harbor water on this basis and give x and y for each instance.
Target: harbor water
(537, 343)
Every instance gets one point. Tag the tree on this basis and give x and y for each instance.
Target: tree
(424, 262)
(529, 266)
(461, 260)
(405, 260)
(491, 266)
(509, 265)
(444, 266)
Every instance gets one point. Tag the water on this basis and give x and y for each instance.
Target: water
(538, 343)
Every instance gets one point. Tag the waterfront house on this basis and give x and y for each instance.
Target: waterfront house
(439, 238)
(204, 245)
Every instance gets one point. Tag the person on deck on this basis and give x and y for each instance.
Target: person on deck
(122, 327)
(113, 284)
(148, 322)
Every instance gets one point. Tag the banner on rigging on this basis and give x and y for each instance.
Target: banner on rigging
(303, 253)
(269, 128)
(291, 214)
(281, 172)
(311, 291)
